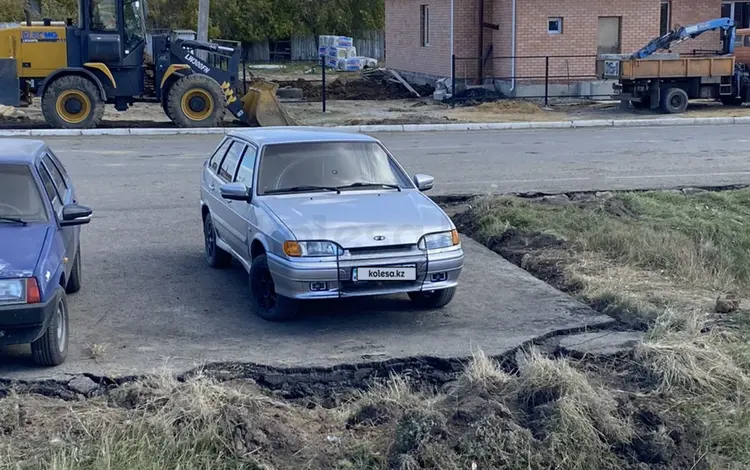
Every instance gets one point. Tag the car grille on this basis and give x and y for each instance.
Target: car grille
(377, 250)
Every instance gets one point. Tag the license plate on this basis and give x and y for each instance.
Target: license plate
(385, 274)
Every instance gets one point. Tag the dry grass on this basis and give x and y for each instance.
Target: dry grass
(657, 260)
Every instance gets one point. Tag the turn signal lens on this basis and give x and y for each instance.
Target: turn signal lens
(454, 237)
(292, 248)
(33, 296)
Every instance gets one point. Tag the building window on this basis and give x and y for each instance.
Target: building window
(425, 24)
(554, 25)
(666, 17)
(738, 11)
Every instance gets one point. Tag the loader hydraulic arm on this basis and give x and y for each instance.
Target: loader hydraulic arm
(182, 50)
(689, 32)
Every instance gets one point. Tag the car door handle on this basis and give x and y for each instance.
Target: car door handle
(211, 186)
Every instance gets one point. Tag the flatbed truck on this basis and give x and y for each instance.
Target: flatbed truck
(668, 81)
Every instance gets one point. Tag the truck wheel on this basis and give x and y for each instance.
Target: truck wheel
(52, 348)
(731, 101)
(674, 101)
(196, 101)
(72, 102)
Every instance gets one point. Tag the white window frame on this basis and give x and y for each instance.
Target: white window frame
(559, 21)
(424, 18)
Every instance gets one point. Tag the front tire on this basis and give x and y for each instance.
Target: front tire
(72, 102)
(196, 101)
(267, 304)
(74, 282)
(433, 299)
(215, 256)
(52, 348)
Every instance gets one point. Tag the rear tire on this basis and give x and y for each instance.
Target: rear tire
(267, 304)
(674, 101)
(72, 102)
(196, 101)
(433, 299)
(74, 282)
(215, 256)
(52, 348)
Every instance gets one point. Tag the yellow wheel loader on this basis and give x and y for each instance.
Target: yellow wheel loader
(77, 69)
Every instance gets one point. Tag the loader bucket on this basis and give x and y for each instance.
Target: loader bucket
(263, 106)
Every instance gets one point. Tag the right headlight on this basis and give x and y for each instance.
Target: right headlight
(24, 290)
(436, 241)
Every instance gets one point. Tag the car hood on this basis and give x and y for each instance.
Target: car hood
(354, 219)
(20, 248)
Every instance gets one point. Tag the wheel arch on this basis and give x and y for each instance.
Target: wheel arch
(257, 248)
(67, 71)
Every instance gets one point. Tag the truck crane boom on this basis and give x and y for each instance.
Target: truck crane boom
(684, 33)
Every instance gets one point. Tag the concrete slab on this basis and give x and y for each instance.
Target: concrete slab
(601, 343)
(149, 299)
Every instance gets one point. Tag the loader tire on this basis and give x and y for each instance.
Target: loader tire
(674, 101)
(72, 102)
(196, 101)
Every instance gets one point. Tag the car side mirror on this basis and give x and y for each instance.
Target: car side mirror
(75, 214)
(424, 182)
(236, 192)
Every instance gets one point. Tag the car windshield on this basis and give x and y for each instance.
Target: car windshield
(311, 166)
(19, 195)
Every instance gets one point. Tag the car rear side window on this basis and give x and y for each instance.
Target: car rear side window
(247, 166)
(219, 155)
(229, 165)
(57, 177)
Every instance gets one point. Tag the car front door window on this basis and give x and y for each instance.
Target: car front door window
(247, 167)
(49, 188)
(228, 167)
(57, 177)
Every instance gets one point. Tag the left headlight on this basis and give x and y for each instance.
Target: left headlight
(312, 249)
(435, 241)
(12, 290)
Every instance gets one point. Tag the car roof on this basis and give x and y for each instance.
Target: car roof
(20, 150)
(285, 135)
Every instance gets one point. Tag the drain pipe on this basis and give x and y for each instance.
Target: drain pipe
(453, 78)
(513, 49)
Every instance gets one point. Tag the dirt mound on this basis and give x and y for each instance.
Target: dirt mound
(354, 89)
(510, 107)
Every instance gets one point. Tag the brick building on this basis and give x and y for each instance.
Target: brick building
(570, 32)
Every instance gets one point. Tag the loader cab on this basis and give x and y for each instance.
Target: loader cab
(112, 33)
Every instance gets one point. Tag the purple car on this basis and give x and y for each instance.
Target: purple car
(40, 256)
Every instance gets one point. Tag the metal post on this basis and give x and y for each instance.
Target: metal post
(546, 81)
(203, 15)
(453, 81)
(323, 68)
(244, 72)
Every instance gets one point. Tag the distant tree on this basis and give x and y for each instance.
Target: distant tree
(11, 11)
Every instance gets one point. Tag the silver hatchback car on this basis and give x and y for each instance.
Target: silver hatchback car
(315, 214)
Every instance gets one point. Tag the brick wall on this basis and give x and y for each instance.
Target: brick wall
(403, 41)
(639, 24)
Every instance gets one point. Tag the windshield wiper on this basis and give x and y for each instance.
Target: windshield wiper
(367, 185)
(14, 220)
(296, 189)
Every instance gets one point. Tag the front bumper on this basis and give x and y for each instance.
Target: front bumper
(295, 279)
(25, 323)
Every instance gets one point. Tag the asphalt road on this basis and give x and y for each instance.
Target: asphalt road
(150, 299)
(513, 161)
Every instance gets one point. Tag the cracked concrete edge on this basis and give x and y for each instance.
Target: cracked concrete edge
(478, 126)
(598, 322)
